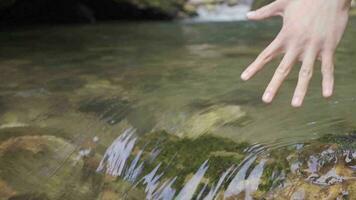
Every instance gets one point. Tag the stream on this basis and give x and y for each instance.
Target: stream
(155, 110)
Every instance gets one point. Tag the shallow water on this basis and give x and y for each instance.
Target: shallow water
(157, 111)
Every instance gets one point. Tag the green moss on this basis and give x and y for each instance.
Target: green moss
(347, 141)
(185, 156)
(277, 165)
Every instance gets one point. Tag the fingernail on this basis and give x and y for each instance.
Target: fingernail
(267, 97)
(296, 102)
(251, 14)
(244, 76)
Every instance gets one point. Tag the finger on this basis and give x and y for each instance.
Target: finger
(279, 76)
(327, 70)
(266, 56)
(270, 10)
(305, 75)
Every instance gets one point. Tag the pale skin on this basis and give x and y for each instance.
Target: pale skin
(312, 30)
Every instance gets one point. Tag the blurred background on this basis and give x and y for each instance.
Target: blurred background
(16, 12)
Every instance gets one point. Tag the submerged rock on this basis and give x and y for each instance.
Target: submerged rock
(54, 171)
(206, 120)
(213, 118)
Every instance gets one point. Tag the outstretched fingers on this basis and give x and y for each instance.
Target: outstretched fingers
(270, 10)
(305, 75)
(280, 75)
(273, 50)
(327, 70)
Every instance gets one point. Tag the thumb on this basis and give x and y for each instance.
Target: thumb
(270, 10)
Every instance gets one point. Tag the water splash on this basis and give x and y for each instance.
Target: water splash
(241, 180)
(191, 186)
(115, 163)
(221, 11)
(237, 184)
(117, 154)
(135, 169)
(151, 181)
(166, 191)
(215, 188)
(253, 180)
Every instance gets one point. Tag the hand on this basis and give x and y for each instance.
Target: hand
(312, 29)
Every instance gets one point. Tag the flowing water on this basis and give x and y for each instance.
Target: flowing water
(221, 11)
(157, 111)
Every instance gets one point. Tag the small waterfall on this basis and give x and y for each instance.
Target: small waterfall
(221, 10)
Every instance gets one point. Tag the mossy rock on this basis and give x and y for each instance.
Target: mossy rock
(184, 156)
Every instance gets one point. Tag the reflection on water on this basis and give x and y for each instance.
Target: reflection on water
(157, 111)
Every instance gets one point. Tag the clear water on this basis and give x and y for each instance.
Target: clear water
(157, 111)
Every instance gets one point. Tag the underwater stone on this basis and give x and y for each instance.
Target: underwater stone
(50, 161)
(207, 120)
(212, 118)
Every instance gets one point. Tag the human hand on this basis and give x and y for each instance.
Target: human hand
(312, 29)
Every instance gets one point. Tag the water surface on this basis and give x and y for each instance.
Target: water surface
(157, 111)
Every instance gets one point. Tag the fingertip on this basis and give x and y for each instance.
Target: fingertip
(267, 98)
(328, 88)
(244, 76)
(297, 102)
(296, 105)
(251, 15)
(327, 93)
